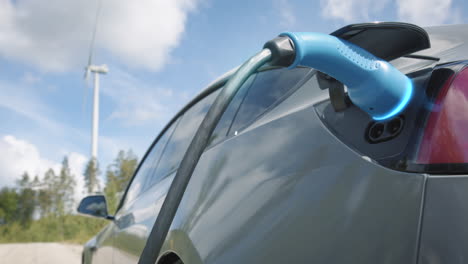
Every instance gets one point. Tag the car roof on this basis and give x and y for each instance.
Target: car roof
(448, 43)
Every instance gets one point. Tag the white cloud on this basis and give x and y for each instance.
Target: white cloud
(55, 36)
(427, 12)
(19, 156)
(420, 12)
(286, 13)
(350, 11)
(30, 78)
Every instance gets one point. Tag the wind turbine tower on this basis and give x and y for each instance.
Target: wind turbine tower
(101, 69)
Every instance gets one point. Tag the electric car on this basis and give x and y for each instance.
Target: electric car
(296, 170)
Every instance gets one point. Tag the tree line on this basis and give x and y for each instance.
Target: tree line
(44, 208)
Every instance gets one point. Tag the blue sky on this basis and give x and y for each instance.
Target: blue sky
(160, 54)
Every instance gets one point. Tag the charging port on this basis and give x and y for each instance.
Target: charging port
(384, 130)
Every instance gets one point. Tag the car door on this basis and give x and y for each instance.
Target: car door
(281, 188)
(102, 250)
(148, 190)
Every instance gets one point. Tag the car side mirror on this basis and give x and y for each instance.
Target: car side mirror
(94, 205)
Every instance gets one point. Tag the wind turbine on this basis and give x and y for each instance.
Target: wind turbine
(96, 69)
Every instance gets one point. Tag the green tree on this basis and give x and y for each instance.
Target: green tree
(24, 181)
(65, 189)
(118, 175)
(91, 175)
(26, 200)
(44, 201)
(111, 190)
(46, 196)
(61, 190)
(8, 205)
(36, 182)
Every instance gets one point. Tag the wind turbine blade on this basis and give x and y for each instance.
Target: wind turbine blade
(90, 58)
(93, 36)
(85, 94)
(86, 73)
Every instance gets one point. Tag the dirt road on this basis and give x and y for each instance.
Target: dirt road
(40, 253)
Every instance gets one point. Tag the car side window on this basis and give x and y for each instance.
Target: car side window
(267, 89)
(148, 167)
(225, 122)
(181, 138)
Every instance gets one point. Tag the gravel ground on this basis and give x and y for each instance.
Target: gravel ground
(40, 253)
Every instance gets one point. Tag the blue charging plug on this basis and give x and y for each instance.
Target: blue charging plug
(374, 85)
